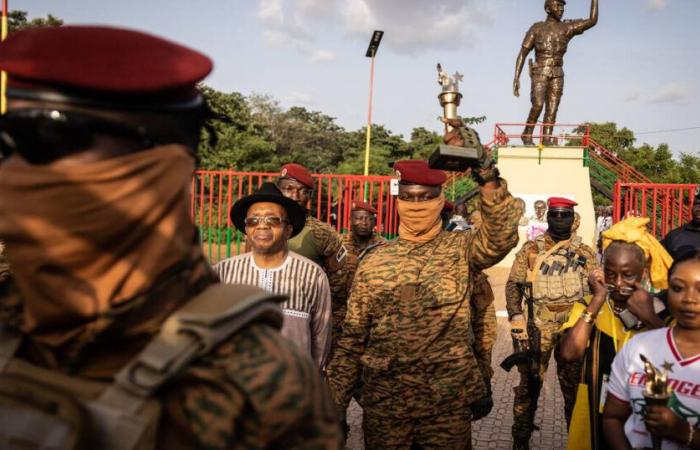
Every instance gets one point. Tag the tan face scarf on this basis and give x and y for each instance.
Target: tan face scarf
(83, 239)
(420, 221)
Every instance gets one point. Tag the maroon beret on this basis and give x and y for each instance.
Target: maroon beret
(414, 171)
(362, 205)
(95, 60)
(299, 173)
(560, 202)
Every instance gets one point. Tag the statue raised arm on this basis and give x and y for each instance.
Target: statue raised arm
(550, 40)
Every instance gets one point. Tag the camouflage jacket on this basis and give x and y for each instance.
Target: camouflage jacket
(256, 391)
(524, 260)
(319, 242)
(356, 251)
(407, 332)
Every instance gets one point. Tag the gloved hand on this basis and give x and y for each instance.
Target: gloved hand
(482, 407)
(518, 327)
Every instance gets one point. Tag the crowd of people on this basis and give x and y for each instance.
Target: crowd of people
(118, 333)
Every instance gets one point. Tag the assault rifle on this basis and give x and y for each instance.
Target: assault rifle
(530, 357)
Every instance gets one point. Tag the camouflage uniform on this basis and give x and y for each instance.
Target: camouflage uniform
(356, 251)
(483, 323)
(407, 333)
(319, 242)
(256, 390)
(549, 320)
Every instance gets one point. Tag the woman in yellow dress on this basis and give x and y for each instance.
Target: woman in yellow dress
(619, 307)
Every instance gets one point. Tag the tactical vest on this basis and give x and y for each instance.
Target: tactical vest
(558, 278)
(47, 409)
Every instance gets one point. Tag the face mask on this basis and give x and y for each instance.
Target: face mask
(86, 238)
(559, 226)
(420, 221)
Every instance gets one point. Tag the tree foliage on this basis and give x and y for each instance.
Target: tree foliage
(17, 20)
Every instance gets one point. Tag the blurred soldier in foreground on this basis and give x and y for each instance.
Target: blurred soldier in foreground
(557, 264)
(269, 219)
(407, 334)
(550, 40)
(118, 320)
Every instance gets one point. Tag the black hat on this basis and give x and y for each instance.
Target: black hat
(268, 192)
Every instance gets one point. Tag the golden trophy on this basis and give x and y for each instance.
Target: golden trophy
(462, 148)
(656, 391)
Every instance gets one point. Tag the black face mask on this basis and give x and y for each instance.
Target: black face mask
(559, 223)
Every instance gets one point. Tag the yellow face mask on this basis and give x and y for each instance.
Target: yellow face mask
(420, 221)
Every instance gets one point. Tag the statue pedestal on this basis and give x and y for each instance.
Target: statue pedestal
(552, 172)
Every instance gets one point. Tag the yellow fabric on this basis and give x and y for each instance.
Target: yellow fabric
(634, 231)
(420, 221)
(606, 322)
(580, 427)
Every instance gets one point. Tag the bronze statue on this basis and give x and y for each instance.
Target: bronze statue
(550, 40)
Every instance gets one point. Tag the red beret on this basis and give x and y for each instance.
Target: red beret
(560, 202)
(102, 61)
(363, 205)
(417, 172)
(299, 173)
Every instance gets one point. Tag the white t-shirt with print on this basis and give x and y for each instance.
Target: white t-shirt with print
(627, 380)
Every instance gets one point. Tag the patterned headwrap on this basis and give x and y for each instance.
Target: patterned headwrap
(634, 231)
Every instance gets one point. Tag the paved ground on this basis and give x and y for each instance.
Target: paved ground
(493, 432)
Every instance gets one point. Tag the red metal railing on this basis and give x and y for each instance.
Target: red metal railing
(610, 161)
(214, 192)
(561, 134)
(667, 205)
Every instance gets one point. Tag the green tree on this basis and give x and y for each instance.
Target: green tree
(609, 136)
(17, 20)
(656, 163)
(242, 142)
(423, 143)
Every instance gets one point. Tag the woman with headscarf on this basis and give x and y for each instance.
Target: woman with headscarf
(620, 306)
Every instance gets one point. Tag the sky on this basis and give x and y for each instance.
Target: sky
(639, 67)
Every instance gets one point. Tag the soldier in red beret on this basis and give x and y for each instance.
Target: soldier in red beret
(318, 241)
(557, 264)
(361, 240)
(407, 333)
(119, 314)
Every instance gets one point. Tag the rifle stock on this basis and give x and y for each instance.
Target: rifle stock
(529, 359)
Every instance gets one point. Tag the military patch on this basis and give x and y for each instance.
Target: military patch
(283, 173)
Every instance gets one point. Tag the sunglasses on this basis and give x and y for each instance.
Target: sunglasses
(271, 221)
(42, 136)
(560, 214)
(623, 290)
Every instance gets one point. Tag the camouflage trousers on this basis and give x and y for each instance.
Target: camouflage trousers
(450, 430)
(569, 375)
(484, 327)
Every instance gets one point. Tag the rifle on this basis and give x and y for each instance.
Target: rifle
(530, 357)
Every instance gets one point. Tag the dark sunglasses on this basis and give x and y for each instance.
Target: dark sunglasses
(271, 221)
(560, 213)
(42, 136)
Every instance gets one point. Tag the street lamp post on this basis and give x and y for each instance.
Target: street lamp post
(371, 53)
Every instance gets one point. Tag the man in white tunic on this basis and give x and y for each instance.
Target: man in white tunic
(269, 219)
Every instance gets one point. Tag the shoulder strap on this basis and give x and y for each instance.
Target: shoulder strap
(189, 333)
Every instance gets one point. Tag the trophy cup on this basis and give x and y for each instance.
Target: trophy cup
(656, 391)
(461, 149)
